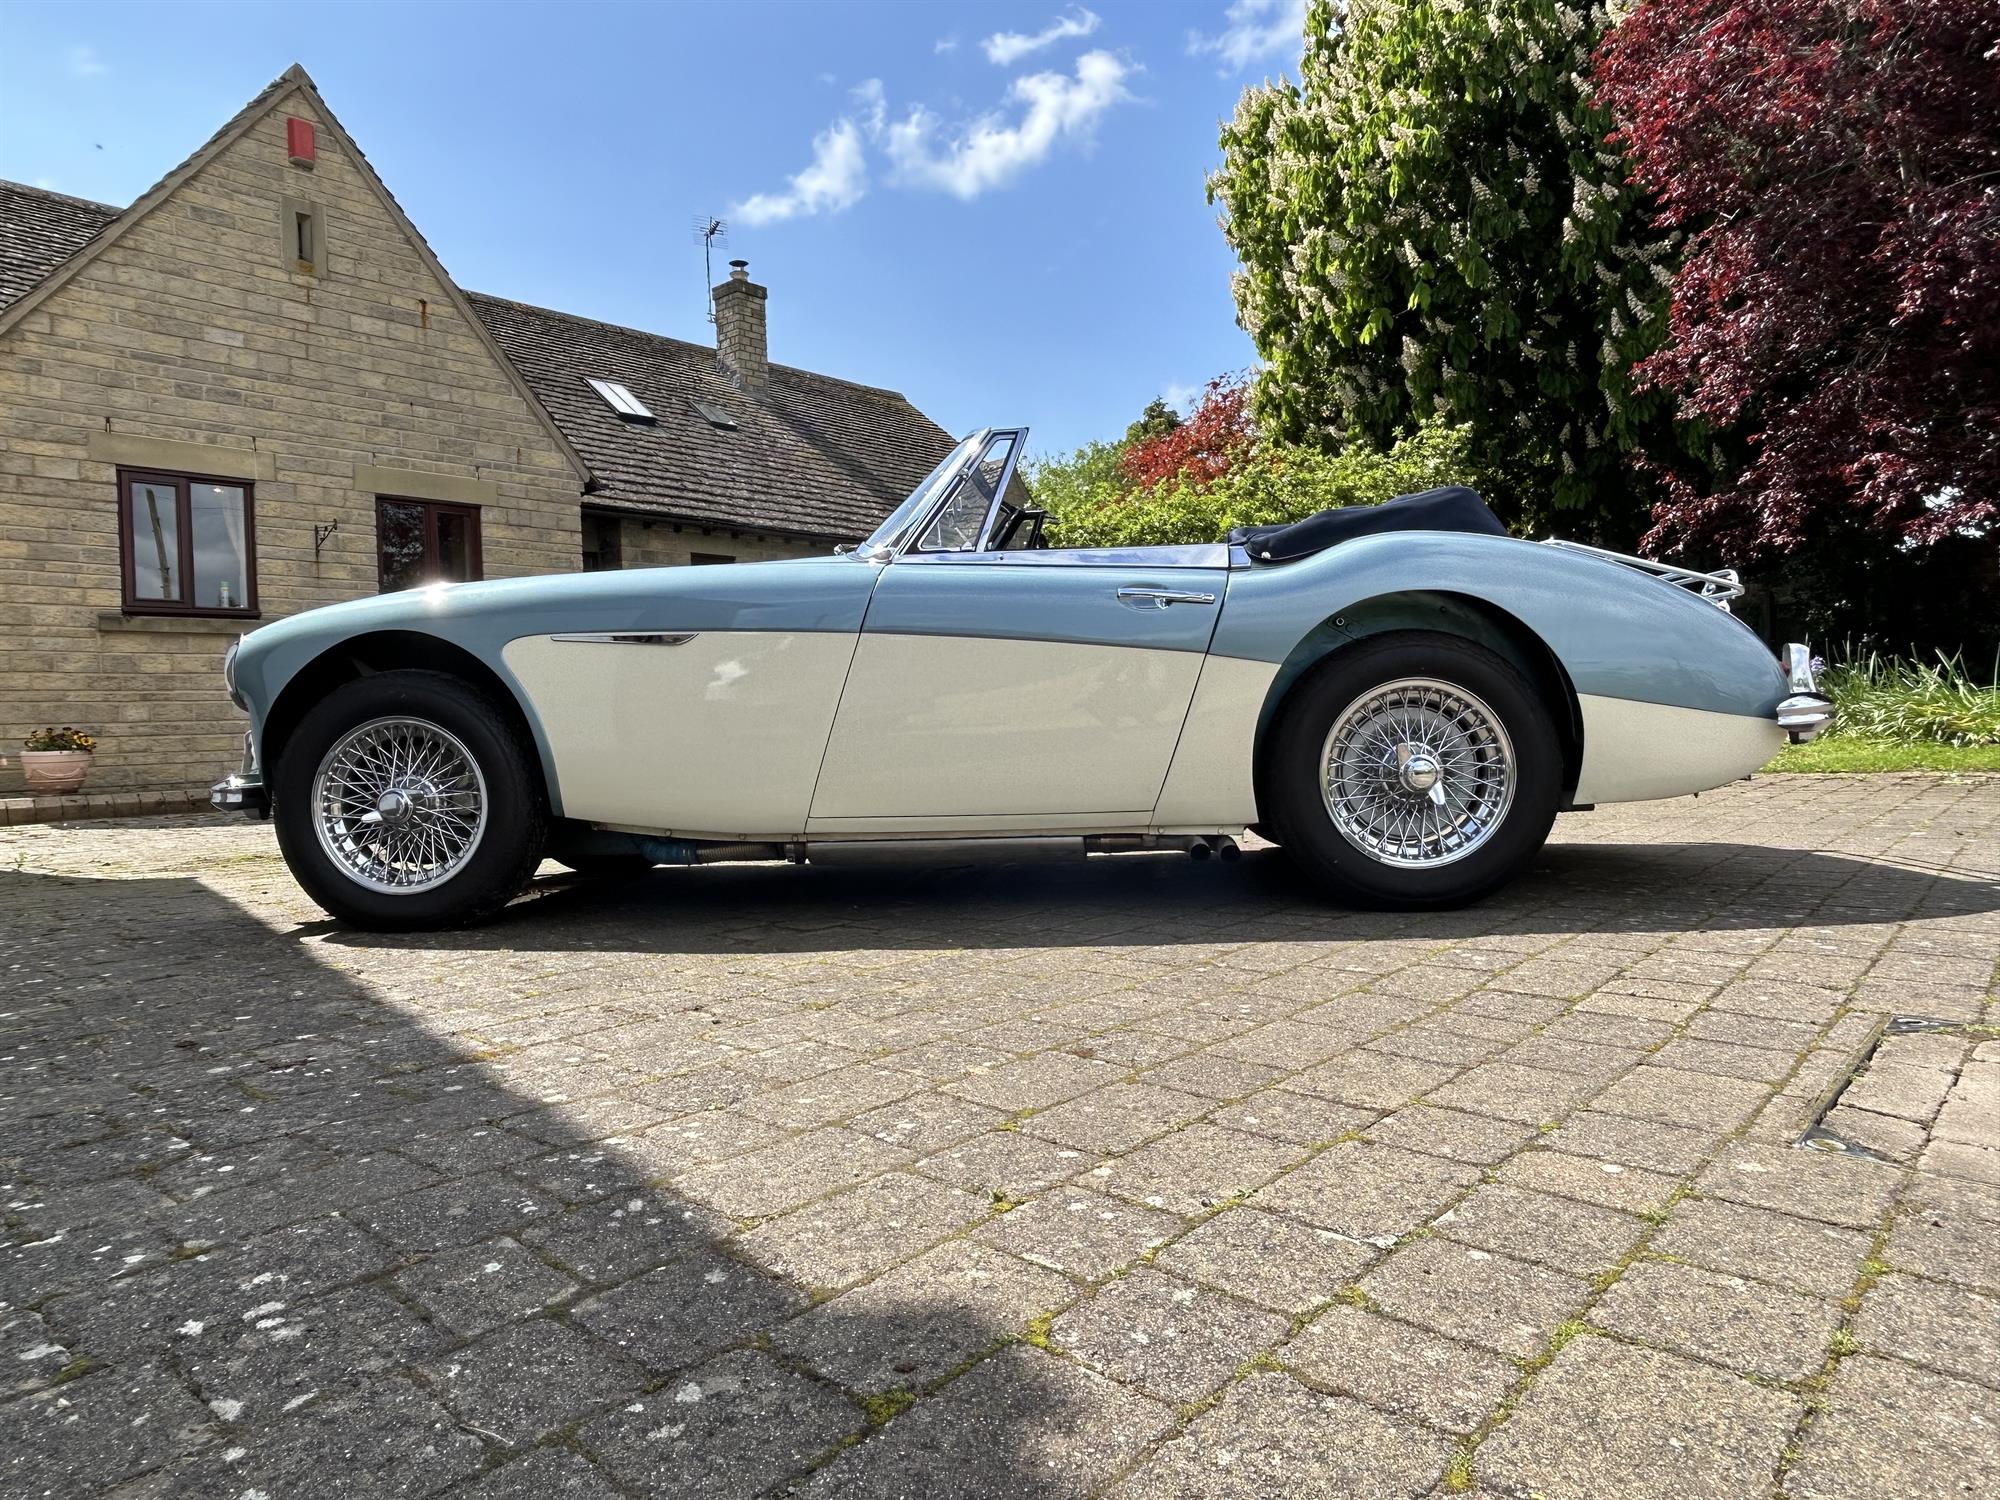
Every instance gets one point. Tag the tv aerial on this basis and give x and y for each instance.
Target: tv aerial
(713, 233)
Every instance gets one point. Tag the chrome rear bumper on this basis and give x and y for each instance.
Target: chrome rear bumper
(1807, 711)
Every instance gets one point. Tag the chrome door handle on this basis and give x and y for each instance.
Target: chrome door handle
(1148, 598)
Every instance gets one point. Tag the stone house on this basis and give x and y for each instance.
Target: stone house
(256, 390)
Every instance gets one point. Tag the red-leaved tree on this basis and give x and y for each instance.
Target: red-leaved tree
(1207, 445)
(1836, 316)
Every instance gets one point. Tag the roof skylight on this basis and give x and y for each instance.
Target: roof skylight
(715, 416)
(621, 400)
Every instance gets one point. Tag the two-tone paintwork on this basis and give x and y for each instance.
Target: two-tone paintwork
(1023, 692)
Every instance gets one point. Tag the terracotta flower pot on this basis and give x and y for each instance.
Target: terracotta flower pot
(54, 772)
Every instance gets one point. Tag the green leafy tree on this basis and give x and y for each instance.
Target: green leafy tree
(1092, 475)
(1156, 421)
(1431, 224)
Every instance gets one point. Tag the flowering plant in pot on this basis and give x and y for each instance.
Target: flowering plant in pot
(56, 760)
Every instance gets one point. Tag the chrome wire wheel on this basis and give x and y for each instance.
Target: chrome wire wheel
(399, 805)
(1417, 773)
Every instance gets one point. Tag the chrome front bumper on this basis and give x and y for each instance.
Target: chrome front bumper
(1807, 711)
(243, 791)
(239, 793)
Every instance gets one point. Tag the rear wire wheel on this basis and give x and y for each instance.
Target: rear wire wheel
(1414, 769)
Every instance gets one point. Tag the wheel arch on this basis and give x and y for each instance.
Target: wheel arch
(391, 650)
(1441, 612)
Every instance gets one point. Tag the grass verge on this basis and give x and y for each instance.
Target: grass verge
(1840, 754)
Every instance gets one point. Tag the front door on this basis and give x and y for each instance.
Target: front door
(995, 690)
(693, 700)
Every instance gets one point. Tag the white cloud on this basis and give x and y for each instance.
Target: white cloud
(1005, 47)
(837, 179)
(874, 102)
(989, 152)
(1181, 397)
(85, 63)
(1255, 29)
(945, 44)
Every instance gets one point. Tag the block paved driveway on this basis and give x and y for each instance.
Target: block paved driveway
(1139, 1177)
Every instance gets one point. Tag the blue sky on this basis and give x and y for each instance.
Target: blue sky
(995, 208)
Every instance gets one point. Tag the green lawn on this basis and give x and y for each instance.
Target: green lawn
(1885, 755)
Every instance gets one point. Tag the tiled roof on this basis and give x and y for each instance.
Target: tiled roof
(39, 230)
(814, 456)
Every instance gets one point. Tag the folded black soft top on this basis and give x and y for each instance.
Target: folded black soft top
(1452, 508)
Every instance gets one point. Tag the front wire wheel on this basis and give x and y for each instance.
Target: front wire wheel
(400, 804)
(410, 799)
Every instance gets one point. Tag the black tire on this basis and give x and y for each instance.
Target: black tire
(1304, 824)
(509, 847)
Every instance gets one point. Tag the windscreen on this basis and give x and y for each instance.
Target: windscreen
(906, 515)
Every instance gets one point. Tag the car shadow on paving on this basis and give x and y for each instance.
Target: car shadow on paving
(264, 1234)
(1157, 900)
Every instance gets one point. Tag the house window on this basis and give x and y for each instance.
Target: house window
(421, 541)
(188, 542)
(602, 552)
(696, 559)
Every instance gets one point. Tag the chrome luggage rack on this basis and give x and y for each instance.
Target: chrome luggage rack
(1718, 587)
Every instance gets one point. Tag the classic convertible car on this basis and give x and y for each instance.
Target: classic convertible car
(1401, 696)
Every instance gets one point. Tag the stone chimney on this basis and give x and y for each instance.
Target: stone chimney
(739, 329)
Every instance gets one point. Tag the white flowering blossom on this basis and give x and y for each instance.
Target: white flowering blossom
(1478, 112)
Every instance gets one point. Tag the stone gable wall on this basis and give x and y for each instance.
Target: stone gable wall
(193, 344)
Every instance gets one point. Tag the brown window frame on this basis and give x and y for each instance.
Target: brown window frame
(475, 540)
(128, 567)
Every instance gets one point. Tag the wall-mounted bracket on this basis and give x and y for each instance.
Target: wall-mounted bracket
(321, 535)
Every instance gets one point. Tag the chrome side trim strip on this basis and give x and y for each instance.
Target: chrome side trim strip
(1205, 555)
(630, 637)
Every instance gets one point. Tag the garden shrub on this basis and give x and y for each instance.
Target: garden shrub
(1272, 483)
